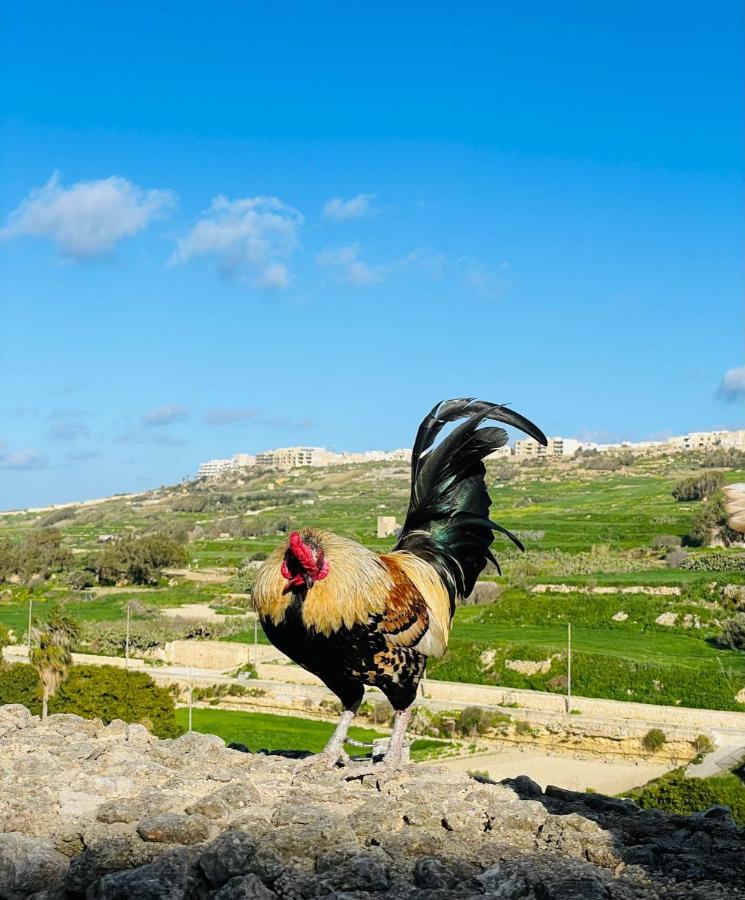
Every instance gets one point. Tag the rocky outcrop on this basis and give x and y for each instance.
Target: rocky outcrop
(109, 812)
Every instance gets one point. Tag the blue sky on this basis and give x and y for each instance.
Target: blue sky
(256, 225)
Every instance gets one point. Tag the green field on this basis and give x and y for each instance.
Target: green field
(271, 732)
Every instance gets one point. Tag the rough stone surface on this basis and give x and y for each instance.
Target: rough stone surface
(103, 813)
(28, 865)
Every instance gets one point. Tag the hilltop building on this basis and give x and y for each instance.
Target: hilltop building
(708, 440)
(293, 457)
(243, 460)
(557, 446)
(213, 468)
(285, 458)
(401, 455)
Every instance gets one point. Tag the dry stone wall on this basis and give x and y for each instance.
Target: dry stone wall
(110, 812)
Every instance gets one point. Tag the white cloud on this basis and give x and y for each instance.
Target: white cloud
(146, 436)
(21, 459)
(87, 220)
(224, 416)
(249, 239)
(424, 258)
(482, 278)
(732, 387)
(341, 210)
(68, 431)
(165, 415)
(348, 268)
(82, 455)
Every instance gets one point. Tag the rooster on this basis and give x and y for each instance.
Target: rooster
(354, 618)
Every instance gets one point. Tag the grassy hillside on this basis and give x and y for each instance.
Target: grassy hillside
(584, 528)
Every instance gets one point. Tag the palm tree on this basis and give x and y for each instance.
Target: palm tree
(52, 655)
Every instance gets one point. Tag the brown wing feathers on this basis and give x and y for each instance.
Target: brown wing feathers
(406, 617)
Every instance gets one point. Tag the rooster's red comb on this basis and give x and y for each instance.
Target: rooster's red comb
(302, 552)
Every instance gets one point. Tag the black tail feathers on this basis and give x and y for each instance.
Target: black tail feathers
(448, 519)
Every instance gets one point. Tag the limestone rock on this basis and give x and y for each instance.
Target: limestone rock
(170, 828)
(28, 865)
(93, 811)
(245, 887)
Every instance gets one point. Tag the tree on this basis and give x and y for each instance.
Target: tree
(138, 560)
(52, 655)
(41, 553)
(8, 558)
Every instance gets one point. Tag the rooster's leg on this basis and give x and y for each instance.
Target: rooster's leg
(334, 751)
(394, 756)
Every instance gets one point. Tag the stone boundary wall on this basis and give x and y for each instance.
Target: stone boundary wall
(661, 591)
(110, 812)
(537, 701)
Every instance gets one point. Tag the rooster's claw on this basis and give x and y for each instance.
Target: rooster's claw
(324, 761)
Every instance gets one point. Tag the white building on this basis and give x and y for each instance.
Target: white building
(213, 468)
(243, 460)
(293, 457)
(708, 440)
(528, 448)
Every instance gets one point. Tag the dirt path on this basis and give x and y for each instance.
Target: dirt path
(208, 576)
(561, 769)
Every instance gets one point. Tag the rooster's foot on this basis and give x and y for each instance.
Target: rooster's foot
(383, 771)
(323, 761)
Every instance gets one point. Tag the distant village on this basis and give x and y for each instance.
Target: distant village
(285, 458)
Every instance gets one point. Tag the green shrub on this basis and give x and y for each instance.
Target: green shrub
(715, 561)
(733, 632)
(247, 669)
(703, 744)
(709, 520)
(677, 794)
(654, 740)
(79, 579)
(108, 692)
(109, 638)
(58, 515)
(242, 582)
(19, 683)
(723, 458)
(216, 692)
(676, 559)
(665, 542)
(476, 720)
(698, 487)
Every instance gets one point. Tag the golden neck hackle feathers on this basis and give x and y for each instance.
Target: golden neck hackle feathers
(356, 587)
(359, 585)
